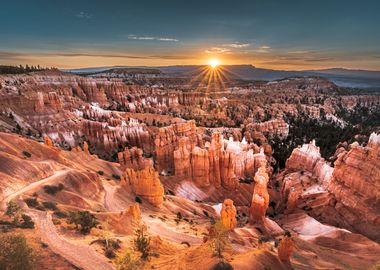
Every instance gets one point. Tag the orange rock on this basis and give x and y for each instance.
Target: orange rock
(260, 198)
(134, 211)
(285, 249)
(228, 214)
(145, 183)
(48, 141)
(85, 148)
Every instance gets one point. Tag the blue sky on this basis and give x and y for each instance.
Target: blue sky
(277, 34)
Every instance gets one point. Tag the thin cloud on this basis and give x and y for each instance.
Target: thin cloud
(133, 37)
(263, 49)
(84, 15)
(217, 50)
(237, 45)
(299, 52)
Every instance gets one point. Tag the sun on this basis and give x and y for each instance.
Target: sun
(213, 63)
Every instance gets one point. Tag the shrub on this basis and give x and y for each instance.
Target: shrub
(138, 200)
(52, 190)
(27, 154)
(27, 222)
(142, 243)
(126, 262)
(31, 202)
(116, 176)
(219, 238)
(110, 253)
(85, 219)
(60, 214)
(15, 253)
(12, 208)
(100, 172)
(50, 205)
(222, 266)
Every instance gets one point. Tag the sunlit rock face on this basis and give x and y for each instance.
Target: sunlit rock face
(220, 163)
(167, 140)
(308, 159)
(272, 128)
(260, 197)
(145, 183)
(356, 186)
(347, 195)
(133, 158)
(228, 214)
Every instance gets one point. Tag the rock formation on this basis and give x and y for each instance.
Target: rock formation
(228, 214)
(145, 183)
(285, 249)
(356, 186)
(48, 141)
(133, 211)
(133, 158)
(85, 148)
(347, 195)
(260, 197)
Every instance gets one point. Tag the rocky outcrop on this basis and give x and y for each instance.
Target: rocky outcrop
(356, 186)
(85, 148)
(48, 141)
(228, 214)
(133, 211)
(308, 159)
(145, 183)
(167, 141)
(285, 249)
(347, 195)
(271, 128)
(260, 197)
(133, 158)
(220, 163)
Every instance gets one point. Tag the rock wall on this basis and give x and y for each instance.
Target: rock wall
(356, 187)
(145, 183)
(347, 195)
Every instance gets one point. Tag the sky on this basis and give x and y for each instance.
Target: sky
(278, 34)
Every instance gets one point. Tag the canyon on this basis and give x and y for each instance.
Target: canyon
(285, 172)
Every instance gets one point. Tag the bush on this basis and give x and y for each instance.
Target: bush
(219, 238)
(100, 172)
(142, 243)
(115, 176)
(126, 262)
(85, 219)
(50, 205)
(31, 202)
(12, 208)
(60, 214)
(52, 190)
(222, 266)
(27, 154)
(27, 222)
(15, 253)
(138, 200)
(110, 253)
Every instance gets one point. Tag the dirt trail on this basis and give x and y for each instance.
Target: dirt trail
(82, 256)
(30, 187)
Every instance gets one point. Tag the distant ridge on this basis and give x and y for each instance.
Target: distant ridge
(354, 78)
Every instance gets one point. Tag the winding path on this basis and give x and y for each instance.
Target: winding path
(82, 256)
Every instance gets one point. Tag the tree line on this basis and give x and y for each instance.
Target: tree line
(21, 69)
